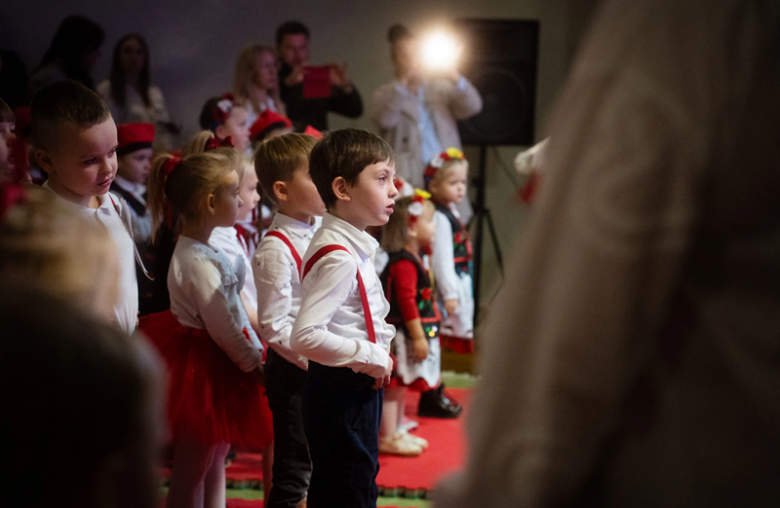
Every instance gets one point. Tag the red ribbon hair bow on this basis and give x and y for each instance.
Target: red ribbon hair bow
(214, 143)
(170, 165)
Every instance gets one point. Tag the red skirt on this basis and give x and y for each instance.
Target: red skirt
(210, 400)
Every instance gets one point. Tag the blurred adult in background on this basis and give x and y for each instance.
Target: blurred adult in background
(72, 54)
(82, 423)
(633, 358)
(417, 112)
(256, 82)
(130, 94)
(292, 44)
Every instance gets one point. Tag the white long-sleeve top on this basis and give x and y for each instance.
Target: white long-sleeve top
(443, 256)
(227, 240)
(331, 326)
(204, 287)
(110, 213)
(279, 284)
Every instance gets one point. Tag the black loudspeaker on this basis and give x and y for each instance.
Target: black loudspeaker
(500, 58)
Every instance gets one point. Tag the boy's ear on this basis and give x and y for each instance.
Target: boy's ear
(280, 191)
(340, 188)
(44, 160)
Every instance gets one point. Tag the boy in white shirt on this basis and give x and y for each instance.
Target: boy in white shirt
(75, 143)
(341, 325)
(282, 166)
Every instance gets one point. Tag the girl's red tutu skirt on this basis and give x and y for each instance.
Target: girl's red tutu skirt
(210, 400)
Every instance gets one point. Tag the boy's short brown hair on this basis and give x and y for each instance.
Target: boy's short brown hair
(6, 114)
(277, 159)
(345, 153)
(64, 101)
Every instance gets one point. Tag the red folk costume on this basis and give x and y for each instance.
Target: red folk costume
(409, 290)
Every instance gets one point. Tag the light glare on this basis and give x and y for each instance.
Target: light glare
(440, 51)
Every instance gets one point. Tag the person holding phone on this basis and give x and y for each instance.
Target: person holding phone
(310, 92)
(417, 112)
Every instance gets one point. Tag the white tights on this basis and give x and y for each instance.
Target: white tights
(198, 476)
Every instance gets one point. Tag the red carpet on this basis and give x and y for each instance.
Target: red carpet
(446, 453)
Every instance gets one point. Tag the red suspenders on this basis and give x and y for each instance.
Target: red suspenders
(363, 295)
(295, 255)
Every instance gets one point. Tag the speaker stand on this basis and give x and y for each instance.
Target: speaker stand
(481, 215)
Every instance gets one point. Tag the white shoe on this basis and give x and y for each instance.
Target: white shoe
(422, 443)
(398, 445)
(408, 424)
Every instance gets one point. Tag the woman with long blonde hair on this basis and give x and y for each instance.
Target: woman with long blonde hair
(256, 81)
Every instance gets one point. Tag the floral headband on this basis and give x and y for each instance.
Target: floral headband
(451, 154)
(224, 107)
(417, 206)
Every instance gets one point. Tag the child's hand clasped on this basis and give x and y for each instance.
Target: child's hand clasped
(385, 379)
(421, 349)
(450, 305)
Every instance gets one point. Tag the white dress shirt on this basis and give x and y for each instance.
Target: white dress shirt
(227, 240)
(279, 284)
(126, 308)
(204, 287)
(331, 325)
(443, 257)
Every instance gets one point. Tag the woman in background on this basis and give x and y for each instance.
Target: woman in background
(131, 96)
(256, 81)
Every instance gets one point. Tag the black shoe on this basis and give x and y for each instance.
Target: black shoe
(435, 404)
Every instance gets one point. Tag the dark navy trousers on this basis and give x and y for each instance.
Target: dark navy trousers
(341, 416)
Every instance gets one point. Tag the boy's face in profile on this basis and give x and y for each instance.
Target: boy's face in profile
(7, 137)
(373, 196)
(81, 162)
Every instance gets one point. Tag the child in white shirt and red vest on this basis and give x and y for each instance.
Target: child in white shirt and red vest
(282, 165)
(341, 326)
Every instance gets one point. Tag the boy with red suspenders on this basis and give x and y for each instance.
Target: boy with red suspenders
(341, 324)
(282, 166)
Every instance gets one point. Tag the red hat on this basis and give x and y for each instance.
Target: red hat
(311, 131)
(134, 137)
(266, 122)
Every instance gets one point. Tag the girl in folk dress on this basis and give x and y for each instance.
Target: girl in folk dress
(414, 313)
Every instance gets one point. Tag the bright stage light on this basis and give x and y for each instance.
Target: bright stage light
(440, 51)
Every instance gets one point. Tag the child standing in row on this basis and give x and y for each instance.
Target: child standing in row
(415, 315)
(223, 117)
(76, 142)
(214, 358)
(283, 166)
(341, 326)
(445, 179)
(134, 162)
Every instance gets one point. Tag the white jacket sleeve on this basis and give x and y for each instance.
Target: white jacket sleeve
(464, 100)
(215, 310)
(334, 280)
(443, 259)
(389, 103)
(273, 277)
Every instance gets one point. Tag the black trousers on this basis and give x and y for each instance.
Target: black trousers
(341, 415)
(285, 383)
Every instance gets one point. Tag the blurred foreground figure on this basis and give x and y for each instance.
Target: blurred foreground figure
(81, 422)
(634, 356)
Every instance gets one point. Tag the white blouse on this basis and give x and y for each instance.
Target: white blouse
(204, 287)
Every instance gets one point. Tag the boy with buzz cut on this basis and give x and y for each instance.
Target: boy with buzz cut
(341, 326)
(282, 166)
(75, 144)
